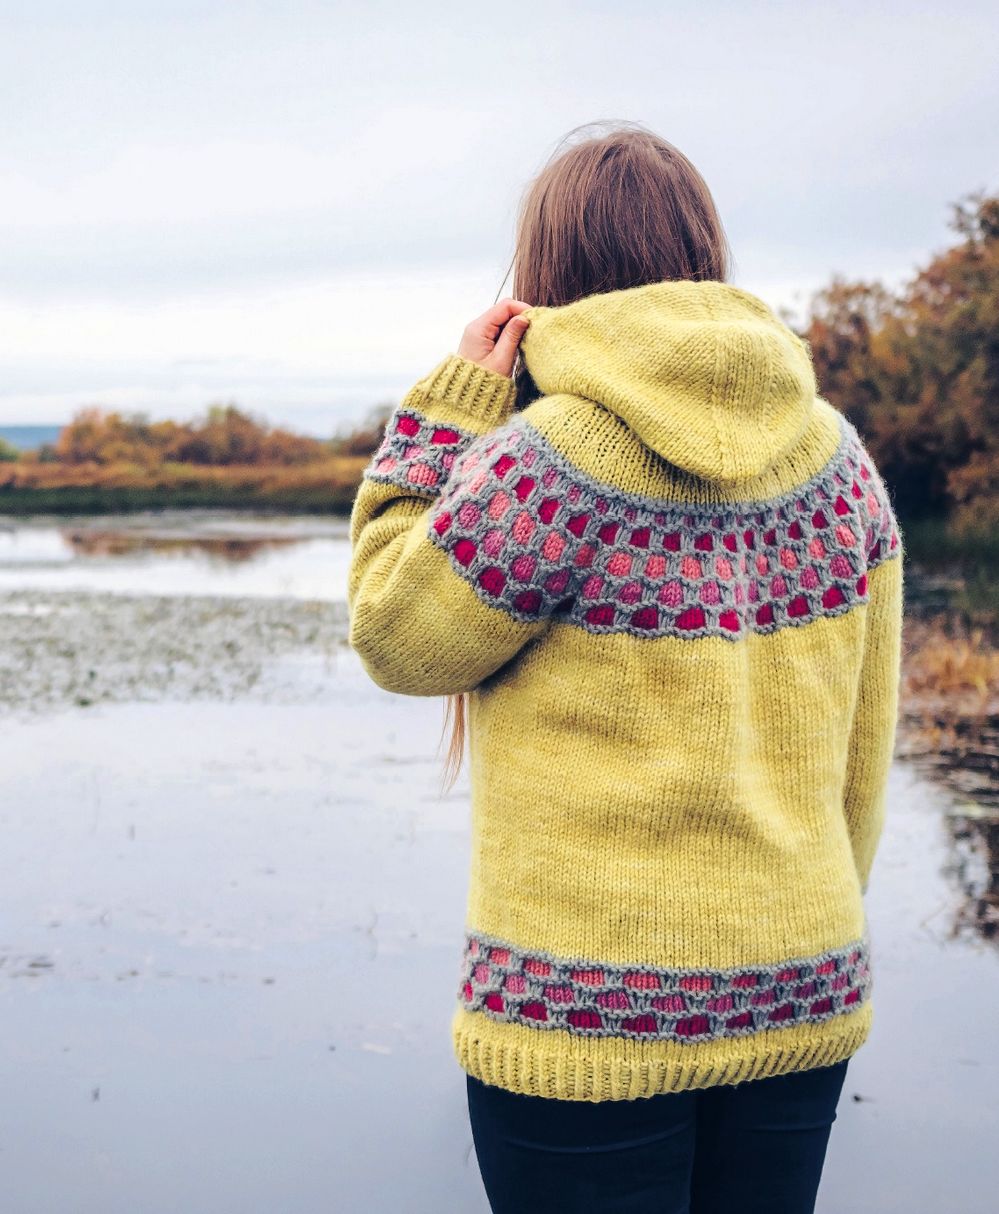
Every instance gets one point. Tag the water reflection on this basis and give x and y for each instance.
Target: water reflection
(179, 553)
(957, 748)
(974, 866)
(96, 543)
(949, 726)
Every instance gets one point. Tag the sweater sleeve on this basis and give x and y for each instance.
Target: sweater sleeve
(432, 607)
(872, 738)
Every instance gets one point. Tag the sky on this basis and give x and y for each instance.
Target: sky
(298, 206)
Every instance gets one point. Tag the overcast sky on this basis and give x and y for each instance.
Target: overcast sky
(298, 206)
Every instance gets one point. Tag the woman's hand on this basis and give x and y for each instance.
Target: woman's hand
(492, 339)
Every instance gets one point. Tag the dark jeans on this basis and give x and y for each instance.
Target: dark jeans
(731, 1149)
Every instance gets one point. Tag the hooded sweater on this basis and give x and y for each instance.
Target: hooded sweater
(672, 589)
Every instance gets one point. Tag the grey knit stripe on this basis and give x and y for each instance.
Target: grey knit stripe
(594, 999)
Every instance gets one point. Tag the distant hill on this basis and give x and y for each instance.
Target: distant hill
(28, 438)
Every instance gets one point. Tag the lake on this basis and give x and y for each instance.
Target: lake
(233, 900)
(178, 553)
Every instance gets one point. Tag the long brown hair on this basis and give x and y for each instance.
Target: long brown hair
(609, 211)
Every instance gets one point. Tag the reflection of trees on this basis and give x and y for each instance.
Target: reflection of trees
(110, 543)
(963, 757)
(974, 863)
(949, 728)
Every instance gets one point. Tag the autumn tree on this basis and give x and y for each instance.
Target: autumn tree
(224, 437)
(918, 371)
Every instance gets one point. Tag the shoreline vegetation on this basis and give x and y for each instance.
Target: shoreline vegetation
(320, 488)
(107, 463)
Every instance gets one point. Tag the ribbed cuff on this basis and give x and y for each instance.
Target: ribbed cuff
(484, 395)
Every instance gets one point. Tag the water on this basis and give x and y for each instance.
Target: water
(29, 438)
(176, 553)
(232, 908)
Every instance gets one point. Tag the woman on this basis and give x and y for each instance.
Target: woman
(667, 577)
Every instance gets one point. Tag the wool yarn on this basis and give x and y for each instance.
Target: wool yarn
(672, 587)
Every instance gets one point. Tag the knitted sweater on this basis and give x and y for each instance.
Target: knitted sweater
(672, 587)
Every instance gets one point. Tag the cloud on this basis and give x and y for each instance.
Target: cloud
(331, 190)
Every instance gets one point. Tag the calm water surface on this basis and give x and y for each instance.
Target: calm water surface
(177, 553)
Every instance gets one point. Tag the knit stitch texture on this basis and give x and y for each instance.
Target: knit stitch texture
(672, 587)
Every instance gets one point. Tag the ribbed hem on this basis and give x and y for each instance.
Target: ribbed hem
(523, 1060)
(486, 396)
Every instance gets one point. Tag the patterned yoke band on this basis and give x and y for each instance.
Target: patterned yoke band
(689, 1005)
(535, 535)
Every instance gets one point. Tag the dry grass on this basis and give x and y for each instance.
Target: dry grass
(34, 487)
(962, 669)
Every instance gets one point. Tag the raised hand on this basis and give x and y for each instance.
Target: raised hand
(492, 339)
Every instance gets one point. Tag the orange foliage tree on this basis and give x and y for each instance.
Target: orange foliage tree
(224, 437)
(918, 371)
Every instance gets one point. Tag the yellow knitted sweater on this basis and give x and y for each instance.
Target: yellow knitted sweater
(672, 587)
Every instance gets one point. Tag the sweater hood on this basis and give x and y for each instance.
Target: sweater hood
(704, 373)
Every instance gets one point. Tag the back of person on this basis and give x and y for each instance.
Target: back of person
(666, 578)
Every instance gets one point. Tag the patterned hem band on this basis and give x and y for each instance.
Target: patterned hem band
(688, 1005)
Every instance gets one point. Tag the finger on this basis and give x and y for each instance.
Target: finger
(490, 323)
(509, 339)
